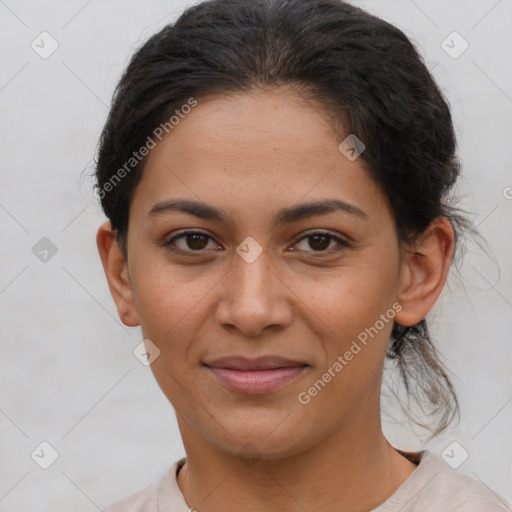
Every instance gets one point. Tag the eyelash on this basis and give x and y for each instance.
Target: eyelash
(343, 243)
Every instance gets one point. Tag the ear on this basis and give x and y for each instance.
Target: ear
(116, 271)
(424, 271)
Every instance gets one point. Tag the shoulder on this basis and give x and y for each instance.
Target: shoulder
(165, 491)
(435, 486)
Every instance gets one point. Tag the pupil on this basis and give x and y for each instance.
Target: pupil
(315, 238)
(196, 243)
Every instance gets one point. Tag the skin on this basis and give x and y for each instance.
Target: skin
(252, 155)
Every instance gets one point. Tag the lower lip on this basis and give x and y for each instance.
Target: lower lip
(256, 381)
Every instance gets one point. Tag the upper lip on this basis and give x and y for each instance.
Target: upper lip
(259, 363)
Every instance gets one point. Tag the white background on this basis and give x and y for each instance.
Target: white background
(68, 374)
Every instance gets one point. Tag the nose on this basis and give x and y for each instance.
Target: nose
(254, 297)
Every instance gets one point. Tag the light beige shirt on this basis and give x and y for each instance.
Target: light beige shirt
(432, 487)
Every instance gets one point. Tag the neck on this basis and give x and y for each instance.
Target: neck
(355, 469)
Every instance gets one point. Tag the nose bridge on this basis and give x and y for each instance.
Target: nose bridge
(252, 281)
(251, 300)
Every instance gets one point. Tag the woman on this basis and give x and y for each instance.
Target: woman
(276, 177)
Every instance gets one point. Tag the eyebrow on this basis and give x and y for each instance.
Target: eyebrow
(284, 216)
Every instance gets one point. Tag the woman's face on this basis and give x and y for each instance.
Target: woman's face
(265, 278)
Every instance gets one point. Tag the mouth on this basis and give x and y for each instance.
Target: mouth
(255, 376)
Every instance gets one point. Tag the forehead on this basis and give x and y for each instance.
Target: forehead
(259, 148)
(249, 124)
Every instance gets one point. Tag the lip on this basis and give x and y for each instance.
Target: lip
(241, 363)
(255, 376)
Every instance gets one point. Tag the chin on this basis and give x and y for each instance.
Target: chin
(261, 439)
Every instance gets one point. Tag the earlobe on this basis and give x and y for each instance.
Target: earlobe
(424, 271)
(116, 272)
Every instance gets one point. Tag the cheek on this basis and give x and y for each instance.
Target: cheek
(350, 298)
(165, 295)
(349, 307)
(354, 338)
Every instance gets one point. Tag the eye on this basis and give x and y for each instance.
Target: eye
(319, 241)
(197, 242)
(192, 241)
